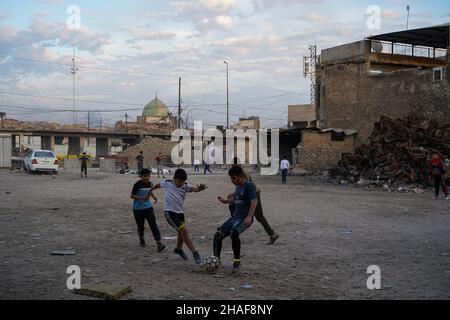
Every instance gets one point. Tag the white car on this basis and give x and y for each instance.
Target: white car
(40, 160)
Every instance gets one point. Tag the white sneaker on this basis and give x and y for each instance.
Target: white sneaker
(447, 198)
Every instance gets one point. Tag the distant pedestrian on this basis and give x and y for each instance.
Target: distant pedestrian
(196, 165)
(207, 164)
(159, 167)
(437, 171)
(284, 167)
(140, 161)
(84, 160)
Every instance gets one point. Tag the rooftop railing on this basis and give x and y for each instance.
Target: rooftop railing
(407, 49)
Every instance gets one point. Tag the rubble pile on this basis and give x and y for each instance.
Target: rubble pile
(397, 154)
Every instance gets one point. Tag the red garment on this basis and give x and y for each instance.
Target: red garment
(437, 163)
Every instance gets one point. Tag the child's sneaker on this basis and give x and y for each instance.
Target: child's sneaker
(236, 266)
(142, 243)
(197, 257)
(161, 247)
(273, 238)
(180, 253)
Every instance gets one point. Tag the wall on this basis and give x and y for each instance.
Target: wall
(5, 151)
(302, 112)
(351, 98)
(318, 152)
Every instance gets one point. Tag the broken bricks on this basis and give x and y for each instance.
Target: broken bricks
(397, 154)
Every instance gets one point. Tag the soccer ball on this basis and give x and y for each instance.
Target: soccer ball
(211, 264)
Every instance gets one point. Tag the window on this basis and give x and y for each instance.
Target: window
(44, 154)
(438, 74)
(337, 136)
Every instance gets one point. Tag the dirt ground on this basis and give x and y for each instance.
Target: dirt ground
(406, 235)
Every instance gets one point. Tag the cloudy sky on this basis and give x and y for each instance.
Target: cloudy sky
(126, 51)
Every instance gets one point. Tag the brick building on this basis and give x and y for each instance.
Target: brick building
(395, 74)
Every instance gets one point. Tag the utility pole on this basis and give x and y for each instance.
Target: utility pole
(73, 70)
(2, 114)
(126, 121)
(228, 100)
(407, 17)
(179, 103)
(89, 128)
(100, 123)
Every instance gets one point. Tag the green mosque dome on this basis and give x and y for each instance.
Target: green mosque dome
(155, 108)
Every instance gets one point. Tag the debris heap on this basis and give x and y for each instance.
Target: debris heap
(397, 153)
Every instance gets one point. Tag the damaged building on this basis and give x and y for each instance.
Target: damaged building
(395, 75)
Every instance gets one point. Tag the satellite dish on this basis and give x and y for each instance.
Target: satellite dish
(377, 46)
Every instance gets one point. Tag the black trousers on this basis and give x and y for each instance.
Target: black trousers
(284, 174)
(259, 215)
(439, 182)
(141, 216)
(84, 168)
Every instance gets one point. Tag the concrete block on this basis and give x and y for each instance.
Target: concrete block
(72, 165)
(108, 165)
(103, 291)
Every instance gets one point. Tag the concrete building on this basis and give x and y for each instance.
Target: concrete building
(301, 116)
(395, 74)
(248, 123)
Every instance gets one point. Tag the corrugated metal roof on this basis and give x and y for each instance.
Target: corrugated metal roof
(436, 36)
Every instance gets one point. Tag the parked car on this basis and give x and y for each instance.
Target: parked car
(40, 161)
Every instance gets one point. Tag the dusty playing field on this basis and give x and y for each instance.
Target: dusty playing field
(406, 235)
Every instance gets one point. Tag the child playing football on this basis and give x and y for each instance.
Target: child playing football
(143, 209)
(174, 195)
(245, 202)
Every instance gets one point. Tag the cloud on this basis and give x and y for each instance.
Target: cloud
(390, 14)
(316, 17)
(263, 5)
(51, 33)
(148, 35)
(205, 15)
(4, 16)
(53, 2)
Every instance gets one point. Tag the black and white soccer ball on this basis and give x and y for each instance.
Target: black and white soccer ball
(211, 264)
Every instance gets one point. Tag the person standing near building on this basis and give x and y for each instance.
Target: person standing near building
(284, 167)
(159, 168)
(437, 171)
(196, 165)
(84, 160)
(140, 162)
